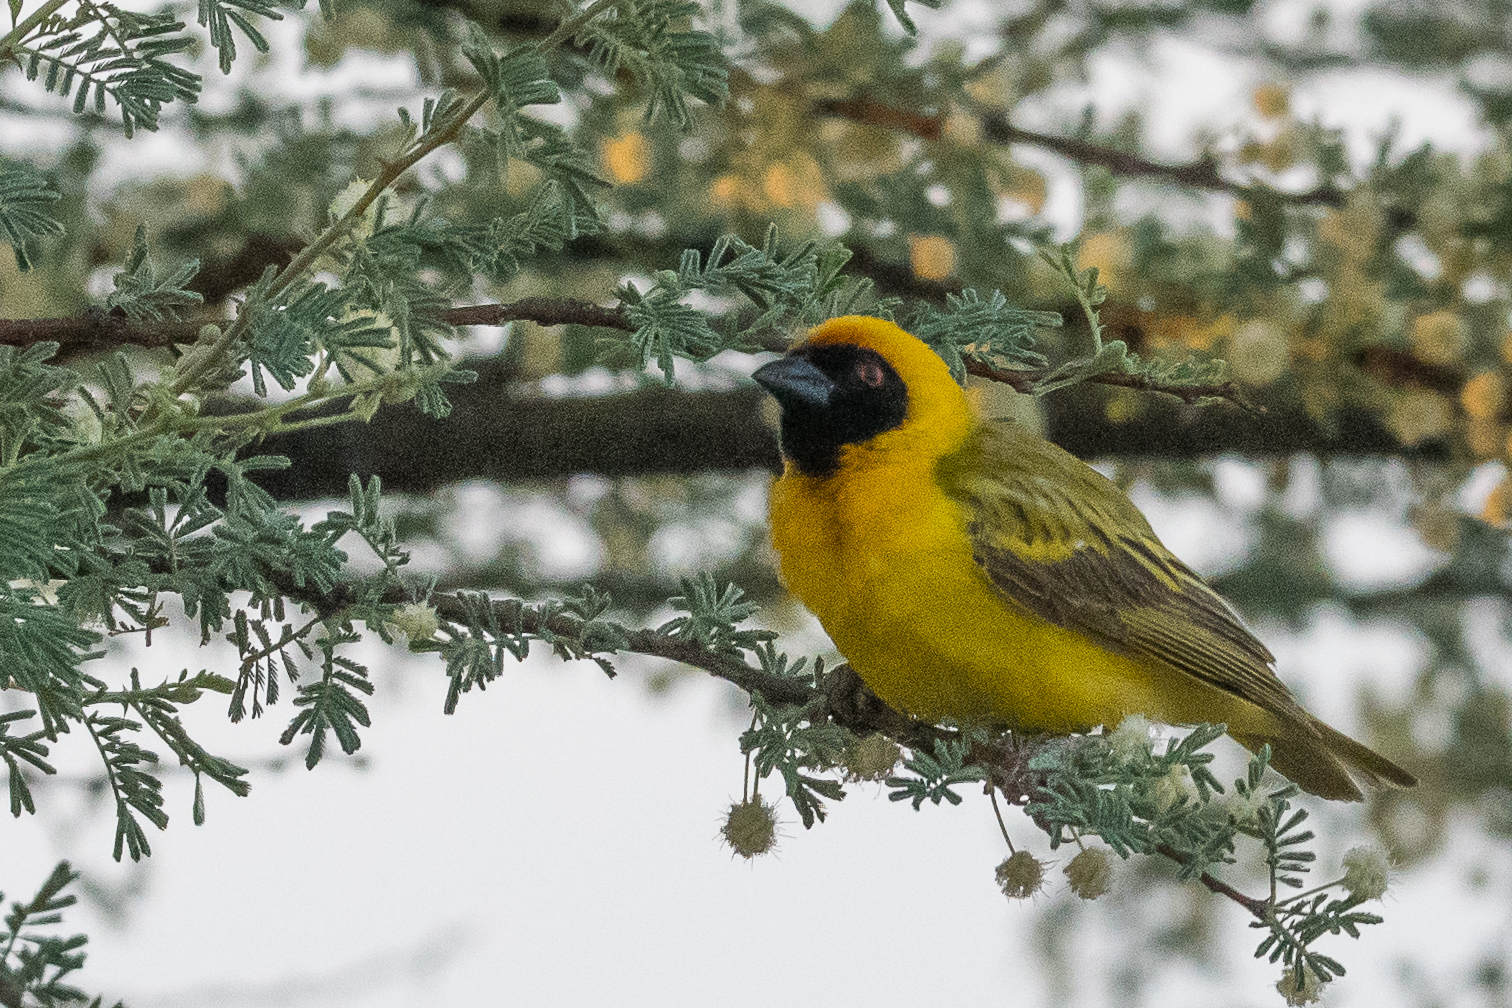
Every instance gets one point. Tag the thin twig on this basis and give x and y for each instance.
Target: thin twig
(1258, 907)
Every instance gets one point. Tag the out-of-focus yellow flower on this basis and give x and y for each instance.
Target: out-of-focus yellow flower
(1418, 415)
(1258, 352)
(1438, 337)
(1494, 511)
(1272, 100)
(933, 257)
(1189, 330)
(1109, 252)
(793, 183)
(1482, 395)
(1485, 438)
(1024, 185)
(724, 188)
(627, 157)
(206, 195)
(963, 129)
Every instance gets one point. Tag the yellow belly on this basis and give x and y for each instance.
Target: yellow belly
(889, 572)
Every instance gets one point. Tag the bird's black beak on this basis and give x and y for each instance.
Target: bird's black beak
(793, 381)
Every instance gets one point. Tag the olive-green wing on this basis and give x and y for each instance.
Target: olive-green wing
(1059, 539)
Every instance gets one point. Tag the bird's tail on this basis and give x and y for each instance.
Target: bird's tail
(1326, 762)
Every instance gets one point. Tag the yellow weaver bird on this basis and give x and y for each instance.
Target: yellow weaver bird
(971, 570)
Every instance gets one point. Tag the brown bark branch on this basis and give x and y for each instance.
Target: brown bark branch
(1258, 907)
(1200, 174)
(97, 329)
(542, 311)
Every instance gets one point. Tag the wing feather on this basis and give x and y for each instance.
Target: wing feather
(1057, 538)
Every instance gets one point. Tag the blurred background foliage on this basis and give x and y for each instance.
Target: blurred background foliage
(1362, 300)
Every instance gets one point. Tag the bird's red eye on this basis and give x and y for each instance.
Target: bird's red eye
(870, 373)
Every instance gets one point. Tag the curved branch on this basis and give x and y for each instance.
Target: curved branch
(996, 128)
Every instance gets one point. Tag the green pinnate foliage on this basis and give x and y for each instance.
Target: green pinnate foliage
(17, 749)
(32, 394)
(137, 791)
(331, 703)
(986, 328)
(46, 650)
(104, 52)
(219, 16)
(778, 290)
(158, 708)
(515, 80)
(26, 199)
(653, 42)
(713, 612)
(36, 968)
(1144, 800)
(476, 633)
(1113, 357)
(1155, 799)
(796, 741)
(900, 11)
(142, 295)
(935, 773)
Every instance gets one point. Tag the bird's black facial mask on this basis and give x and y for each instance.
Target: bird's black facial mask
(832, 395)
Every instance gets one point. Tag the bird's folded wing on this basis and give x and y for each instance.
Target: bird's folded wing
(1057, 538)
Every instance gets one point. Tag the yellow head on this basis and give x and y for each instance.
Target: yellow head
(860, 391)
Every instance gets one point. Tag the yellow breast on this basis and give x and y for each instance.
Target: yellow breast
(883, 557)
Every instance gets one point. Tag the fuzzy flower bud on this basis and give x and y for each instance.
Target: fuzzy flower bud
(1245, 808)
(1173, 787)
(871, 758)
(1366, 872)
(1091, 873)
(750, 828)
(347, 200)
(1021, 875)
(1132, 737)
(417, 621)
(1309, 991)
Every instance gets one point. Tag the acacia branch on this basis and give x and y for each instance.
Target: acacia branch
(1025, 382)
(1257, 907)
(98, 329)
(1199, 174)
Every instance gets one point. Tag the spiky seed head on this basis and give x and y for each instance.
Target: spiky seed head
(1021, 875)
(1366, 872)
(1131, 738)
(750, 828)
(871, 758)
(416, 620)
(1091, 873)
(1308, 991)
